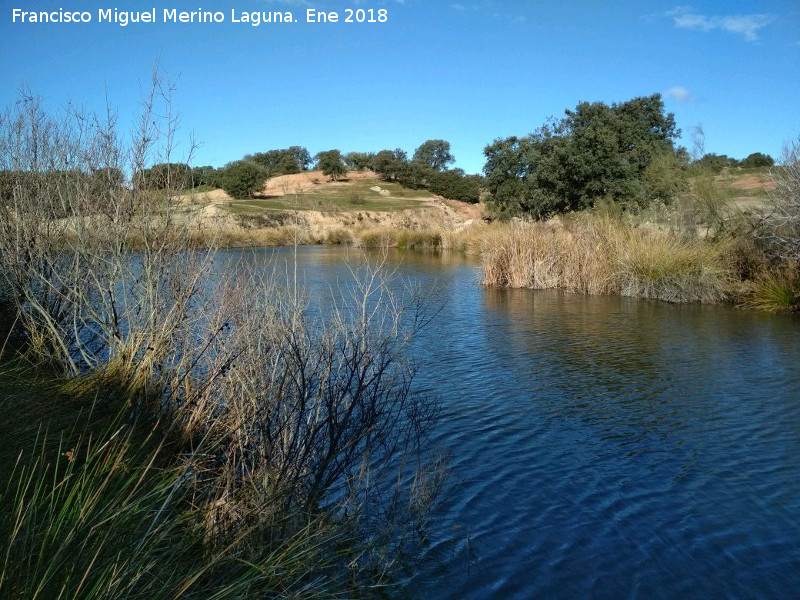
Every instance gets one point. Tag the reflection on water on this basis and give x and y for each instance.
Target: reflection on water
(602, 447)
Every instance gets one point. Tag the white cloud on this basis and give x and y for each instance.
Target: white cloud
(679, 93)
(745, 25)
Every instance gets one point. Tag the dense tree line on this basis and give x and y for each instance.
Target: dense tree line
(623, 152)
(288, 161)
(716, 163)
(428, 169)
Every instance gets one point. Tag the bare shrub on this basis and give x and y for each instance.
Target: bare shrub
(319, 414)
(283, 418)
(780, 230)
(67, 234)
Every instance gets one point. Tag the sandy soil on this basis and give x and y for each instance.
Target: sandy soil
(212, 197)
(307, 181)
(753, 182)
(208, 210)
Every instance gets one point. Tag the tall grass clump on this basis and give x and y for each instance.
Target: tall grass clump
(376, 237)
(111, 515)
(472, 240)
(598, 255)
(339, 236)
(658, 265)
(274, 419)
(282, 235)
(776, 290)
(419, 239)
(547, 256)
(389, 237)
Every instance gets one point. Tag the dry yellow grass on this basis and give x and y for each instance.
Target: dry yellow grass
(599, 256)
(284, 235)
(389, 237)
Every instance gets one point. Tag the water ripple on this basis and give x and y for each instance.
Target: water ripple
(605, 447)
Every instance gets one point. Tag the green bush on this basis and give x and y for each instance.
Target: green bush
(595, 151)
(454, 184)
(242, 178)
(757, 160)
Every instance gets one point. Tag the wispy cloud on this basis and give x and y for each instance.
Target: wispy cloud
(490, 9)
(679, 93)
(745, 25)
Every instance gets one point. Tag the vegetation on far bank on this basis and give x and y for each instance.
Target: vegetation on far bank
(428, 171)
(619, 159)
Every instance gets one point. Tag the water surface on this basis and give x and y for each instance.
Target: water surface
(602, 447)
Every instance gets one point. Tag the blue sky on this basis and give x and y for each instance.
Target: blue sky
(467, 71)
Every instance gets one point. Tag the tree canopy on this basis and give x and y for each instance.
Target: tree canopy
(242, 178)
(358, 161)
(714, 163)
(283, 162)
(595, 151)
(435, 154)
(758, 159)
(330, 162)
(389, 163)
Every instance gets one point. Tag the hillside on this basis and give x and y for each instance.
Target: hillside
(308, 208)
(324, 211)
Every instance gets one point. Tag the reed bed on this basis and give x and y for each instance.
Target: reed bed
(389, 237)
(604, 256)
(282, 235)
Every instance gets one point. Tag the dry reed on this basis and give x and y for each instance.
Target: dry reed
(604, 256)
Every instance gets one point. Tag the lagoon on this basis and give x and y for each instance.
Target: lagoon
(599, 447)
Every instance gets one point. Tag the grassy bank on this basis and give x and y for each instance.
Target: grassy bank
(93, 505)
